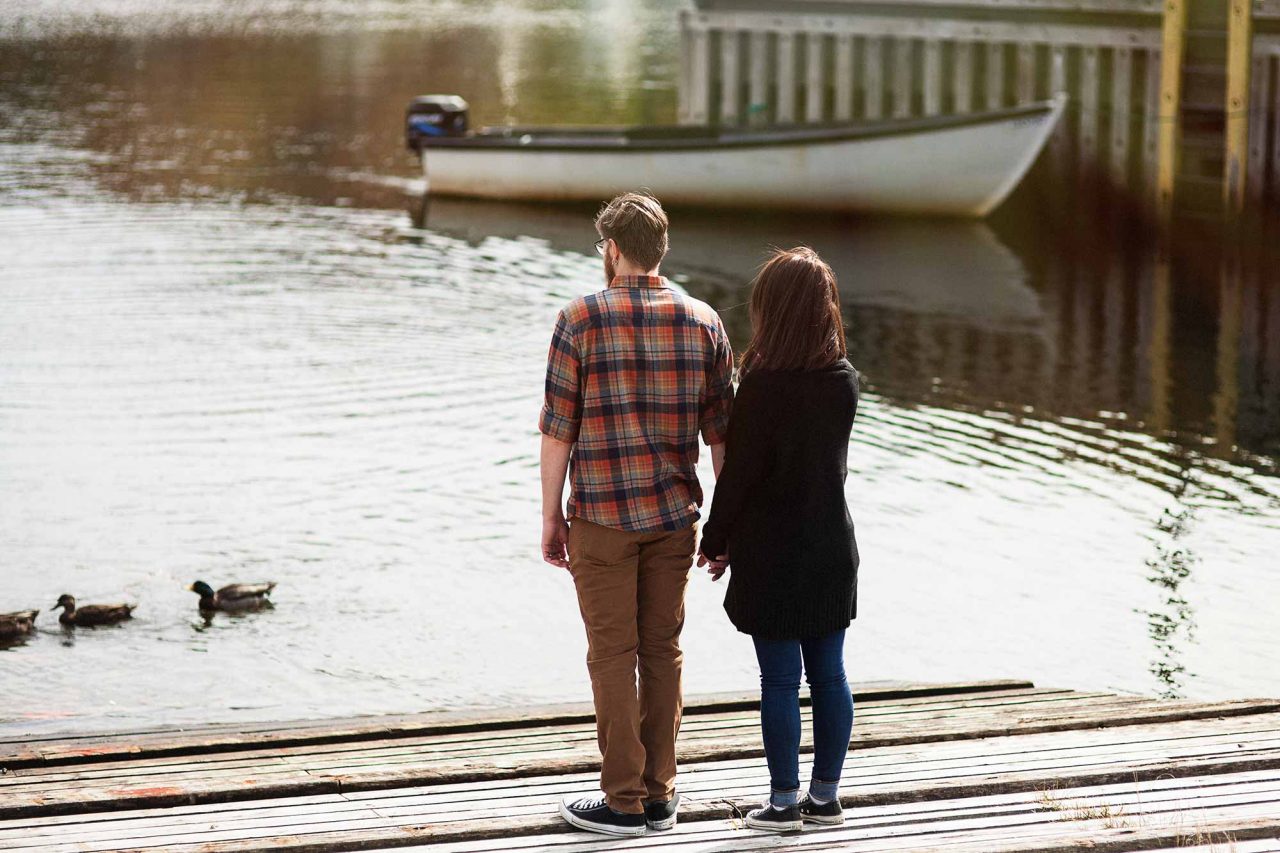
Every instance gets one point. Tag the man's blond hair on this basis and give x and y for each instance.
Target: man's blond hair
(637, 223)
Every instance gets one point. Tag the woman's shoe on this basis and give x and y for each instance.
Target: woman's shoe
(827, 814)
(772, 819)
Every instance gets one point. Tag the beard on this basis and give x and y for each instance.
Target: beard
(608, 269)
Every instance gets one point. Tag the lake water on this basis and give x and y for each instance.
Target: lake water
(230, 351)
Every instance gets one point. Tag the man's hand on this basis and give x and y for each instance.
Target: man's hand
(554, 463)
(555, 540)
(716, 565)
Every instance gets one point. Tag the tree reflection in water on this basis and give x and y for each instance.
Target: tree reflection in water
(1171, 623)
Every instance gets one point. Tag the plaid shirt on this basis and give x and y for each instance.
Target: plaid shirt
(635, 372)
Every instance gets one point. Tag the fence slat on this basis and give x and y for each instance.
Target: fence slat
(995, 75)
(902, 78)
(932, 77)
(700, 76)
(1059, 143)
(758, 84)
(1259, 98)
(873, 78)
(1026, 72)
(730, 78)
(1151, 125)
(786, 78)
(700, 94)
(962, 79)
(1088, 135)
(815, 88)
(1121, 93)
(844, 77)
(1275, 149)
(686, 64)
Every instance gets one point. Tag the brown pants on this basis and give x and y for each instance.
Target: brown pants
(631, 593)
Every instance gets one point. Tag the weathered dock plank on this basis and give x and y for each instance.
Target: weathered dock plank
(1168, 754)
(1155, 813)
(24, 750)
(550, 750)
(1001, 767)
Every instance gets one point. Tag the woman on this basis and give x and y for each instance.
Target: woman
(779, 515)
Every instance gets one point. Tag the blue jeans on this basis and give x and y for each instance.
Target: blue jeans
(780, 662)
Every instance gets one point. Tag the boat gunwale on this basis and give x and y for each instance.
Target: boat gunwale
(616, 140)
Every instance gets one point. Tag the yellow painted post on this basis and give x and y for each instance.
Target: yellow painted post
(1173, 45)
(1239, 67)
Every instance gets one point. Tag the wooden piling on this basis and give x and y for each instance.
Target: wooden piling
(1172, 47)
(1239, 71)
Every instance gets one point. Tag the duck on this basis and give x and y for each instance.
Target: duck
(92, 614)
(15, 625)
(234, 598)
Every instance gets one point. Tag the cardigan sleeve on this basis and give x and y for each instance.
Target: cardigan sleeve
(746, 459)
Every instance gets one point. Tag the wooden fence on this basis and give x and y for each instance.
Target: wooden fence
(842, 60)
(1262, 174)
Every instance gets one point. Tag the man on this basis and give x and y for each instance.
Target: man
(635, 372)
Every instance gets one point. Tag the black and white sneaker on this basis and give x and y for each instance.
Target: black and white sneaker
(661, 814)
(827, 814)
(775, 820)
(593, 814)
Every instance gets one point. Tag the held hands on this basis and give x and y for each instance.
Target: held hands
(555, 540)
(716, 565)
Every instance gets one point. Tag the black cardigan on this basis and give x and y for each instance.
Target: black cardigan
(779, 509)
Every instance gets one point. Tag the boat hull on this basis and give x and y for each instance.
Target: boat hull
(963, 168)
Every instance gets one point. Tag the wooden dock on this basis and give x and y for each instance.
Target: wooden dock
(1152, 107)
(992, 766)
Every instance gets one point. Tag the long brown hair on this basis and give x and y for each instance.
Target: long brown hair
(795, 314)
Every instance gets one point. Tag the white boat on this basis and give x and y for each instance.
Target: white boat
(954, 165)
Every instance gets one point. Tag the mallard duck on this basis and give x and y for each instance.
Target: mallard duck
(235, 597)
(92, 614)
(20, 624)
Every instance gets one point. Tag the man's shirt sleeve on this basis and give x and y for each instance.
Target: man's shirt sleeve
(717, 401)
(562, 404)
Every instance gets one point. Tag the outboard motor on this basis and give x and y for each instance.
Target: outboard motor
(431, 116)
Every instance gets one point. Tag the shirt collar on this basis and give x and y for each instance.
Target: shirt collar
(638, 281)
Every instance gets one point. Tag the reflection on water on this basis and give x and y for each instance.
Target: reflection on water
(1172, 623)
(227, 352)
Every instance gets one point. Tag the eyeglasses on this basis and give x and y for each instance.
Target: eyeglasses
(600, 244)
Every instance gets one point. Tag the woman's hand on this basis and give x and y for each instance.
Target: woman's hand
(716, 565)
